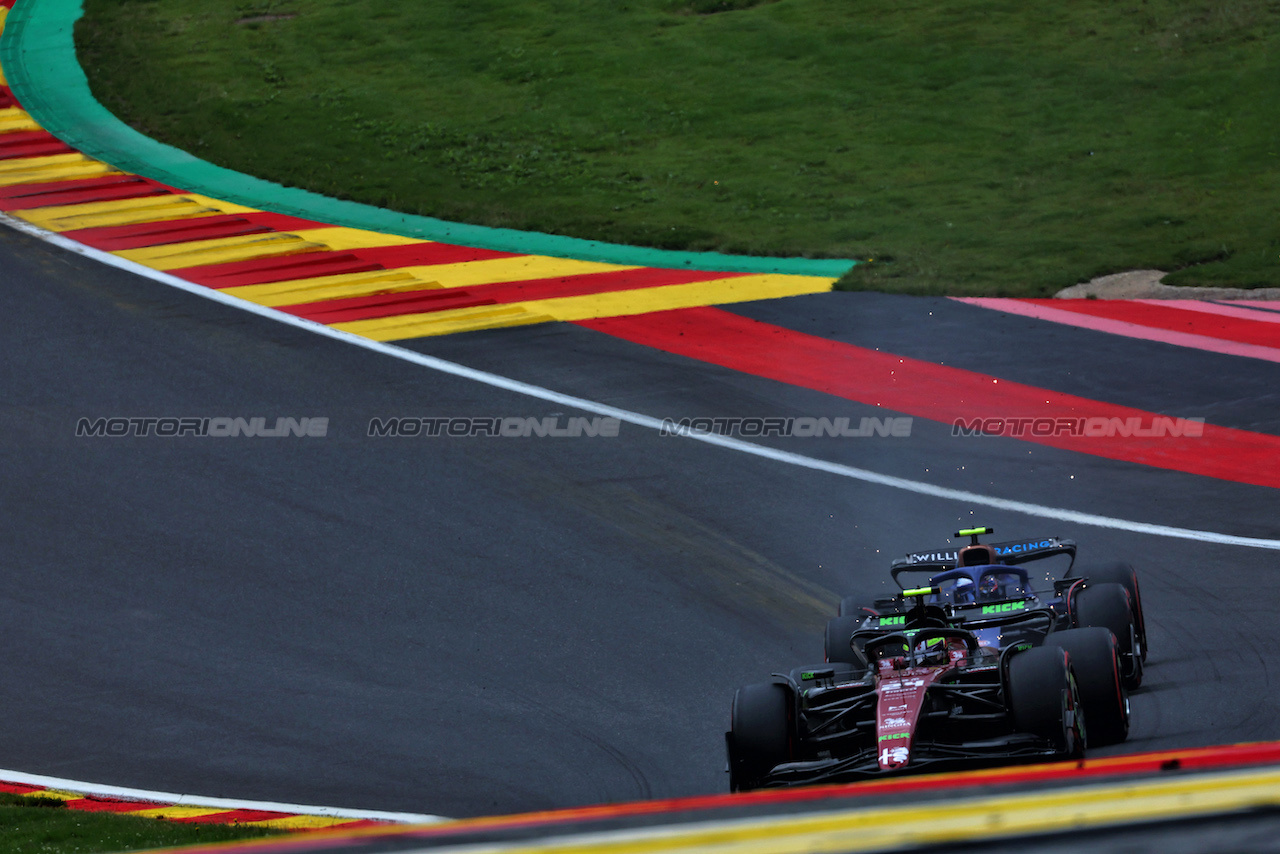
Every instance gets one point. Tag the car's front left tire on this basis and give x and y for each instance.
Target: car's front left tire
(760, 736)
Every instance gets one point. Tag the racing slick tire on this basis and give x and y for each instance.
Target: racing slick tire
(1109, 606)
(1118, 572)
(1044, 700)
(838, 648)
(1095, 660)
(760, 736)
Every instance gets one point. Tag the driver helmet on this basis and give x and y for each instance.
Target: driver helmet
(990, 586)
(932, 651)
(887, 654)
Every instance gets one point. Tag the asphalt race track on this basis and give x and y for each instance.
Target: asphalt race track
(468, 626)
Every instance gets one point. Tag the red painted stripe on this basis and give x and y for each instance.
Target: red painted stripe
(6, 97)
(36, 143)
(21, 136)
(21, 197)
(20, 789)
(1194, 759)
(310, 264)
(1137, 764)
(357, 824)
(229, 817)
(152, 236)
(1172, 319)
(279, 268)
(937, 392)
(160, 232)
(413, 302)
(1227, 310)
(93, 804)
(1120, 327)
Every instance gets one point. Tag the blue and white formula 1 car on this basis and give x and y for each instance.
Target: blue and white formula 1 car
(984, 588)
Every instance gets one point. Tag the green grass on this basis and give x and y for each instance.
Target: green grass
(968, 147)
(33, 825)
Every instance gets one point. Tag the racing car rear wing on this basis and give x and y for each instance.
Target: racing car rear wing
(1009, 552)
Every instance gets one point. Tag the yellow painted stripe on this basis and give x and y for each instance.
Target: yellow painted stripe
(715, 292)
(118, 212)
(56, 794)
(442, 322)
(4, 14)
(221, 251)
(610, 304)
(332, 287)
(13, 119)
(340, 239)
(129, 211)
(247, 247)
(929, 824)
(177, 812)
(173, 812)
(301, 822)
(522, 268)
(55, 167)
(468, 273)
(445, 322)
(144, 812)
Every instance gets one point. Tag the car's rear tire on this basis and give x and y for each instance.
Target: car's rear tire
(1043, 698)
(760, 734)
(1118, 572)
(1108, 605)
(1095, 659)
(837, 646)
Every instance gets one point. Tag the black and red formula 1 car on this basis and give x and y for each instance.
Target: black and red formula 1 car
(986, 587)
(928, 695)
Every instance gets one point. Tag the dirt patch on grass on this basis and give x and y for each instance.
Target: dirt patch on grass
(1145, 284)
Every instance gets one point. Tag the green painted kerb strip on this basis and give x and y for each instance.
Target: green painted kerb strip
(39, 57)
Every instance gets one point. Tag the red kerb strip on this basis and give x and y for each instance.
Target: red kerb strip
(111, 805)
(312, 264)
(1230, 756)
(231, 817)
(420, 301)
(35, 143)
(940, 393)
(21, 197)
(115, 238)
(1172, 319)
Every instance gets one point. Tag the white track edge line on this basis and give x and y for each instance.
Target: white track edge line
(639, 419)
(220, 803)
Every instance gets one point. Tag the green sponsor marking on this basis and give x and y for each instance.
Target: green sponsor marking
(893, 621)
(896, 736)
(1003, 607)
